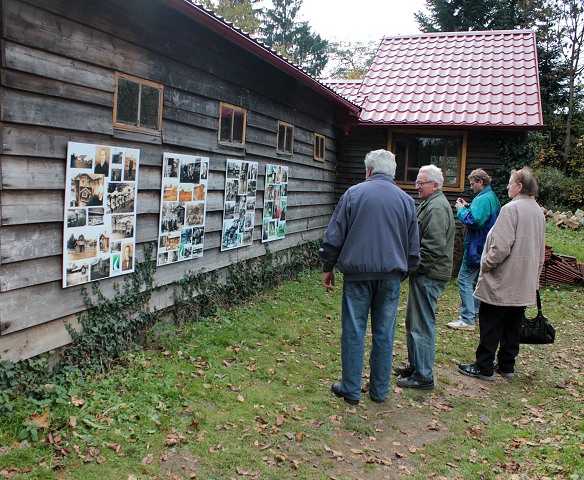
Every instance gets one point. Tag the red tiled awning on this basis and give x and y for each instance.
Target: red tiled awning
(482, 79)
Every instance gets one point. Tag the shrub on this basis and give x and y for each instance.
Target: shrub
(558, 191)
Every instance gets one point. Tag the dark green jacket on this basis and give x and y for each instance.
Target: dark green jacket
(436, 225)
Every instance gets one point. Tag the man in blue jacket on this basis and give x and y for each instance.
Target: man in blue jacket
(477, 218)
(373, 238)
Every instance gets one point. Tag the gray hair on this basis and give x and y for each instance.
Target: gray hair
(434, 174)
(380, 161)
(527, 179)
(480, 175)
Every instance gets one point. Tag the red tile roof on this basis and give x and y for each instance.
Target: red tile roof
(347, 88)
(483, 79)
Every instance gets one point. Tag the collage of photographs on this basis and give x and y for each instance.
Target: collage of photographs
(240, 202)
(183, 207)
(100, 212)
(275, 203)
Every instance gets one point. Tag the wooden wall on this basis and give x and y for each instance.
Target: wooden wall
(481, 153)
(58, 63)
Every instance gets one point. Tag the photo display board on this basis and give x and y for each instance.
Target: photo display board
(240, 200)
(275, 203)
(100, 212)
(183, 208)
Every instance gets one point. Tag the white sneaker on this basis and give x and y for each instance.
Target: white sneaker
(459, 324)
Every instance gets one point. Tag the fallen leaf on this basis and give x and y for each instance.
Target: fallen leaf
(40, 421)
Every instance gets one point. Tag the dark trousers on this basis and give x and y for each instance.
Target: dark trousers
(499, 327)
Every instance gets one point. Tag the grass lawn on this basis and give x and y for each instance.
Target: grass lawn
(246, 395)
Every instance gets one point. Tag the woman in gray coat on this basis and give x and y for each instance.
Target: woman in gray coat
(509, 277)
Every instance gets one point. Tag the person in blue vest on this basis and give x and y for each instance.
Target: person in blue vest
(373, 238)
(477, 217)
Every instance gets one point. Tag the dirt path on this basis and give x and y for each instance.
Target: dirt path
(401, 430)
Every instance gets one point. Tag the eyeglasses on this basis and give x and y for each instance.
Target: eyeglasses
(419, 184)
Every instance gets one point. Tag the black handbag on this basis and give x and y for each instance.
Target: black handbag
(538, 330)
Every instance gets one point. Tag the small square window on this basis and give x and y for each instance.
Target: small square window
(285, 138)
(232, 121)
(319, 147)
(138, 104)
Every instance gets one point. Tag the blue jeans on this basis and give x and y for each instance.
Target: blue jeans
(421, 325)
(469, 305)
(381, 297)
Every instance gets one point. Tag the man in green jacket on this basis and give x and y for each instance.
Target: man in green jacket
(436, 229)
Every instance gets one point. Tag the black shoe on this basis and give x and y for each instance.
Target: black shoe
(403, 370)
(503, 374)
(473, 370)
(409, 382)
(336, 389)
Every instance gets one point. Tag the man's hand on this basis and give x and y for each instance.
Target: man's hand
(328, 280)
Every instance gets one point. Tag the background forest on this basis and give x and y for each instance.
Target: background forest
(557, 153)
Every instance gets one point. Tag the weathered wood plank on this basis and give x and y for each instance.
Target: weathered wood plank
(19, 173)
(20, 207)
(17, 313)
(39, 339)
(67, 95)
(31, 109)
(29, 207)
(225, 60)
(35, 271)
(24, 242)
(30, 272)
(30, 83)
(57, 67)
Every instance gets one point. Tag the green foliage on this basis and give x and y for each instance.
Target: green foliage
(245, 394)
(110, 326)
(565, 241)
(464, 15)
(517, 151)
(293, 39)
(201, 294)
(241, 13)
(557, 191)
(352, 59)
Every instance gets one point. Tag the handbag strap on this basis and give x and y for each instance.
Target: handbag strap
(538, 301)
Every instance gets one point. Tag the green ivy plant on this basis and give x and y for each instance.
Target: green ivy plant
(111, 326)
(201, 294)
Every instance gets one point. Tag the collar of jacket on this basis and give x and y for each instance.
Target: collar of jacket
(484, 190)
(381, 176)
(434, 195)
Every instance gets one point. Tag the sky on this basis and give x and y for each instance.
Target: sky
(361, 20)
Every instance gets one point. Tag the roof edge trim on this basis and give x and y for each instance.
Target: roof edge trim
(208, 19)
